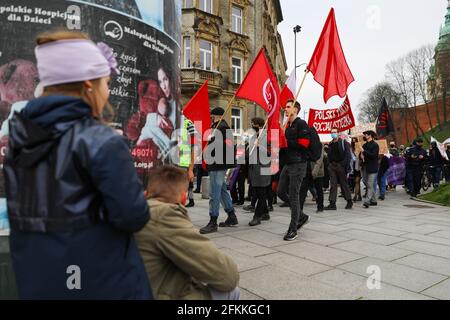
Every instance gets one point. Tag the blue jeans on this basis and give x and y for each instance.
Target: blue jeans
(382, 182)
(218, 193)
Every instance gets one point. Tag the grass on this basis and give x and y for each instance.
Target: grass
(440, 195)
(439, 135)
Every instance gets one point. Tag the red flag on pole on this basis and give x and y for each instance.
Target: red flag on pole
(328, 64)
(260, 86)
(197, 110)
(289, 90)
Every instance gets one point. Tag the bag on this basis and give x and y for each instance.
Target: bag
(315, 146)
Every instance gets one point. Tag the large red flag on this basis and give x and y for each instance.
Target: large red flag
(260, 86)
(197, 110)
(328, 64)
(289, 90)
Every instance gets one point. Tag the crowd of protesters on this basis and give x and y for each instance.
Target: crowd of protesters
(70, 206)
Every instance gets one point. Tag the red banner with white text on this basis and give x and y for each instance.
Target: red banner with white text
(325, 120)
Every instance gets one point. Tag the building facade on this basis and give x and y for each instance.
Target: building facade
(220, 40)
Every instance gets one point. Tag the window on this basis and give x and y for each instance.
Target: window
(236, 19)
(236, 121)
(206, 5)
(187, 52)
(188, 3)
(205, 55)
(236, 69)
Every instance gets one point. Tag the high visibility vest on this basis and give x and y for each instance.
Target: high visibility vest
(185, 146)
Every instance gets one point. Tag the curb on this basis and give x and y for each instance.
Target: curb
(431, 202)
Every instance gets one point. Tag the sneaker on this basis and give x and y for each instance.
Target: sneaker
(197, 191)
(381, 198)
(303, 221)
(255, 221)
(319, 210)
(366, 205)
(290, 235)
(373, 203)
(270, 208)
(190, 204)
(240, 203)
(209, 228)
(349, 205)
(265, 217)
(331, 206)
(229, 222)
(249, 208)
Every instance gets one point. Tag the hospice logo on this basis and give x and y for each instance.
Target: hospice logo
(113, 29)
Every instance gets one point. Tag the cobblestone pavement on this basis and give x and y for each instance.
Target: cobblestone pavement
(341, 254)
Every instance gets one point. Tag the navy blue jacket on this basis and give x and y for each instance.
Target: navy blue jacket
(74, 201)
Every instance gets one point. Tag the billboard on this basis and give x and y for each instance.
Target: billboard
(144, 36)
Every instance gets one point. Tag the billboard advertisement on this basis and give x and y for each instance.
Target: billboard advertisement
(144, 36)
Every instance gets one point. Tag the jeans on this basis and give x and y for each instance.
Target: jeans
(218, 194)
(371, 185)
(382, 182)
(289, 188)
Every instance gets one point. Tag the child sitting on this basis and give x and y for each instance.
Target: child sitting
(181, 263)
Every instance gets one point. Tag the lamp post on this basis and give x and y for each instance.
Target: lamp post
(297, 29)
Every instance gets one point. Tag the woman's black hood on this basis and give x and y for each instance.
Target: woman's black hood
(36, 129)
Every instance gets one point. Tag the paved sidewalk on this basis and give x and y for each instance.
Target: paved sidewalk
(407, 241)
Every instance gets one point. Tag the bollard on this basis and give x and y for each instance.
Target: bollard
(205, 187)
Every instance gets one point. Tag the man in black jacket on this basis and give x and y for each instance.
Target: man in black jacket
(416, 157)
(294, 170)
(370, 163)
(339, 157)
(436, 163)
(219, 156)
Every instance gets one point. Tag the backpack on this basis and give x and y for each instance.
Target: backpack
(315, 146)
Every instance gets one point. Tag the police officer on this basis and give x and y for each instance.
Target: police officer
(416, 157)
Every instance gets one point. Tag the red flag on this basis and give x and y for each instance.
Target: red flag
(197, 110)
(328, 64)
(289, 90)
(260, 86)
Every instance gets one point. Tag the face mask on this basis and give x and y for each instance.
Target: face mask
(255, 128)
(334, 135)
(364, 139)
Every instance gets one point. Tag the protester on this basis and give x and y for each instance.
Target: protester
(294, 170)
(370, 159)
(71, 210)
(314, 177)
(356, 168)
(447, 165)
(219, 157)
(182, 263)
(339, 157)
(435, 163)
(396, 171)
(186, 156)
(416, 158)
(200, 172)
(326, 177)
(382, 175)
(259, 170)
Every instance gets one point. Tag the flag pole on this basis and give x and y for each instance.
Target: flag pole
(226, 110)
(301, 84)
(259, 135)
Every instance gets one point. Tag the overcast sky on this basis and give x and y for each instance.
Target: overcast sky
(372, 33)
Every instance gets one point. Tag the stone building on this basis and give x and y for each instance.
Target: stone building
(220, 39)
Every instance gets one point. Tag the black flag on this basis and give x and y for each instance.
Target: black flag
(384, 121)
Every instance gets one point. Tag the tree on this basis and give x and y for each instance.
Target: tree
(370, 104)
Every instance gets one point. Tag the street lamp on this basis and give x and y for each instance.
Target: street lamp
(297, 29)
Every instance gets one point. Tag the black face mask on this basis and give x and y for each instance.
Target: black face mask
(256, 129)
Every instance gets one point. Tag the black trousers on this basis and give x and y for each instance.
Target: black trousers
(238, 190)
(338, 176)
(318, 185)
(199, 174)
(261, 201)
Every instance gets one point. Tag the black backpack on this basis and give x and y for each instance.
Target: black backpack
(315, 146)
